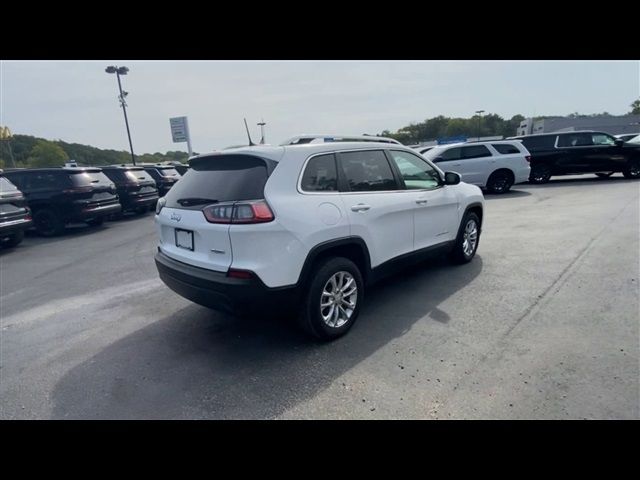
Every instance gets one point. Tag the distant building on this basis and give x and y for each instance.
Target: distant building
(614, 125)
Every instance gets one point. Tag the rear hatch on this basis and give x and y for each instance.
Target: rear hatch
(214, 183)
(139, 183)
(92, 187)
(13, 205)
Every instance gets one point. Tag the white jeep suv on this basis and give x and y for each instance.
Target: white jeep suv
(495, 166)
(309, 226)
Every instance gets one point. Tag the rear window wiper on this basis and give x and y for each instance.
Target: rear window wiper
(186, 202)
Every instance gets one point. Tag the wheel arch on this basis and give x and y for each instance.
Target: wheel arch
(354, 248)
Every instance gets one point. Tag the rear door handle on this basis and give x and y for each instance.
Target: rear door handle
(361, 207)
(421, 202)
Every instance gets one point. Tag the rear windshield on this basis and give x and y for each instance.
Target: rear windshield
(6, 186)
(138, 176)
(168, 172)
(220, 178)
(82, 179)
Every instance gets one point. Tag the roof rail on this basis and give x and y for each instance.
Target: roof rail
(302, 139)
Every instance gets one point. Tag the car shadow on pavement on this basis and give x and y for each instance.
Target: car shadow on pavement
(509, 194)
(197, 363)
(578, 180)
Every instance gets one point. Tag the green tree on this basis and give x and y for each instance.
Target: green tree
(635, 107)
(47, 154)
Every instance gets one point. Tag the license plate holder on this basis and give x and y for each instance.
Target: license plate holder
(184, 239)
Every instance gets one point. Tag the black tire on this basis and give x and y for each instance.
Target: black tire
(311, 319)
(500, 181)
(458, 254)
(14, 239)
(141, 210)
(540, 174)
(604, 174)
(95, 222)
(48, 223)
(633, 170)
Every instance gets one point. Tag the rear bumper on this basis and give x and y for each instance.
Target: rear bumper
(218, 291)
(12, 226)
(132, 202)
(87, 213)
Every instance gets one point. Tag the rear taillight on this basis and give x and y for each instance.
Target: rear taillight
(160, 204)
(239, 212)
(527, 158)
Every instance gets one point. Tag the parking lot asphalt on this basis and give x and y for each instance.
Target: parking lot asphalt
(543, 324)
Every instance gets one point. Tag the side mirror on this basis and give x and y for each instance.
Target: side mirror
(451, 178)
(438, 159)
(619, 142)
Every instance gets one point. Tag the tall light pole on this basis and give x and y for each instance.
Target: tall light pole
(479, 112)
(123, 71)
(261, 125)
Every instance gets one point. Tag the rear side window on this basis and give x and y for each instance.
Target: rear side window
(84, 179)
(6, 186)
(320, 175)
(220, 178)
(475, 151)
(538, 144)
(367, 171)
(575, 140)
(505, 148)
(46, 181)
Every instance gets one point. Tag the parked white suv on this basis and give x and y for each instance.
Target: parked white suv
(309, 226)
(495, 166)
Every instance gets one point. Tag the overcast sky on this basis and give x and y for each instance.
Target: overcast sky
(77, 101)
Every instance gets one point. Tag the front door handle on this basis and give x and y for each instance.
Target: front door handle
(421, 202)
(361, 207)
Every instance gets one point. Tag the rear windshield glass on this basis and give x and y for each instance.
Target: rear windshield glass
(168, 172)
(90, 178)
(138, 176)
(6, 186)
(220, 178)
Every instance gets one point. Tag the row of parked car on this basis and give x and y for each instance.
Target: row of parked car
(496, 166)
(48, 199)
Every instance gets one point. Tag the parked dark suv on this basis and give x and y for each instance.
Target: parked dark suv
(570, 153)
(136, 189)
(58, 196)
(165, 176)
(182, 168)
(15, 216)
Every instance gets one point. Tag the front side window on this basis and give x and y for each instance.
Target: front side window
(367, 171)
(602, 139)
(416, 173)
(320, 175)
